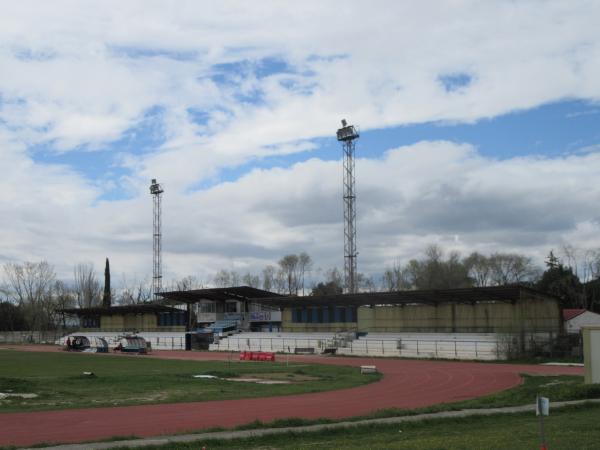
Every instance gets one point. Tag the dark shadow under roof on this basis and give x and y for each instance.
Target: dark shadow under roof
(506, 294)
(217, 294)
(122, 309)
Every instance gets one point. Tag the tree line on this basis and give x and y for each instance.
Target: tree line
(31, 294)
(574, 276)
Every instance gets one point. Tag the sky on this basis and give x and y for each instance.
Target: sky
(479, 130)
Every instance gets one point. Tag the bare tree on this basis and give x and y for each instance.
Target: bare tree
(395, 278)
(280, 282)
(304, 265)
(510, 268)
(222, 278)
(87, 287)
(188, 283)
(365, 283)
(134, 291)
(432, 272)
(30, 285)
(334, 276)
(64, 298)
(571, 255)
(413, 274)
(585, 264)
(332, 285)
(289, 266)
(269, 273)
(227, 278)
(592, 265)
(251, 280)
(479, 269)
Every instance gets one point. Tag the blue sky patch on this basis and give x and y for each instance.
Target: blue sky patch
(455, 81)
(136, 52)
(234, 72)
(27, 54)
(102, 165)
(550, 130)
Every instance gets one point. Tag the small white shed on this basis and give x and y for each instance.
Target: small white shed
(574, 319)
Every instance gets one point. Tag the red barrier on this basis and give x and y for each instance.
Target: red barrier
(257, 356)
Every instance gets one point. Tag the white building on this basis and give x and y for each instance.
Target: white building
(574, 319)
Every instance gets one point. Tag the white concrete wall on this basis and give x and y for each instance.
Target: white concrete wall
(481, 346)
(273, 342)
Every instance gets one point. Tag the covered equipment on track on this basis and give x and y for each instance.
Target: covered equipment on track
(132, 344)
(92, 344)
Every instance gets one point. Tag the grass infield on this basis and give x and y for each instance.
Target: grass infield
(58, 381)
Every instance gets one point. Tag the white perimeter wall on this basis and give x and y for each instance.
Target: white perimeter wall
(479, 346)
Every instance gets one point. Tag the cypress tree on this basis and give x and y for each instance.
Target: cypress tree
(106, 300)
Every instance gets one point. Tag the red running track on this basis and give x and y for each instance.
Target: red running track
(405, 384)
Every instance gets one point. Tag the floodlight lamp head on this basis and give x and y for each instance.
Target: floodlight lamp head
(155, 188)
(347, 132)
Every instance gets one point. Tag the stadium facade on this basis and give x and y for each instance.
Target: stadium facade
(506, 309)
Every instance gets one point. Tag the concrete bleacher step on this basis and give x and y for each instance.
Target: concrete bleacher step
(411, 345)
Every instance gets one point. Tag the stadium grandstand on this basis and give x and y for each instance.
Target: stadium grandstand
(473, 323)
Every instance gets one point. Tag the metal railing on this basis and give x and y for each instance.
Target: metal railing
(165, 329)
(31, 337)
(414, 348)
(428, 348)
(280, 344)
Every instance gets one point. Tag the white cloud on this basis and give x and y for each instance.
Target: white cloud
(430, 192)
(79, 75)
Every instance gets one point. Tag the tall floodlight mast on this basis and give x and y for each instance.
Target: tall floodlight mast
(156, 190)
(346, 135)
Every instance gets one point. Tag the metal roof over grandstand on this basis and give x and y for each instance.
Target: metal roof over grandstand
(122, 309)
(507, 294)
(217, 294)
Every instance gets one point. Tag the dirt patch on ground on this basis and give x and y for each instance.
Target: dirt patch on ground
(154, 397)
(4, 395)
(282, 376)
(258, 381)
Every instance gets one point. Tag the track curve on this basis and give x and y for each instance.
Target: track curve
(405, 384)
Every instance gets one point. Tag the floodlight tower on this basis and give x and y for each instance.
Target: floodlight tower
(156, 190)
(346, 135)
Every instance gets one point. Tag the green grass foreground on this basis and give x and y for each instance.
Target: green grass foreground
(566, 429)
(58, 380)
